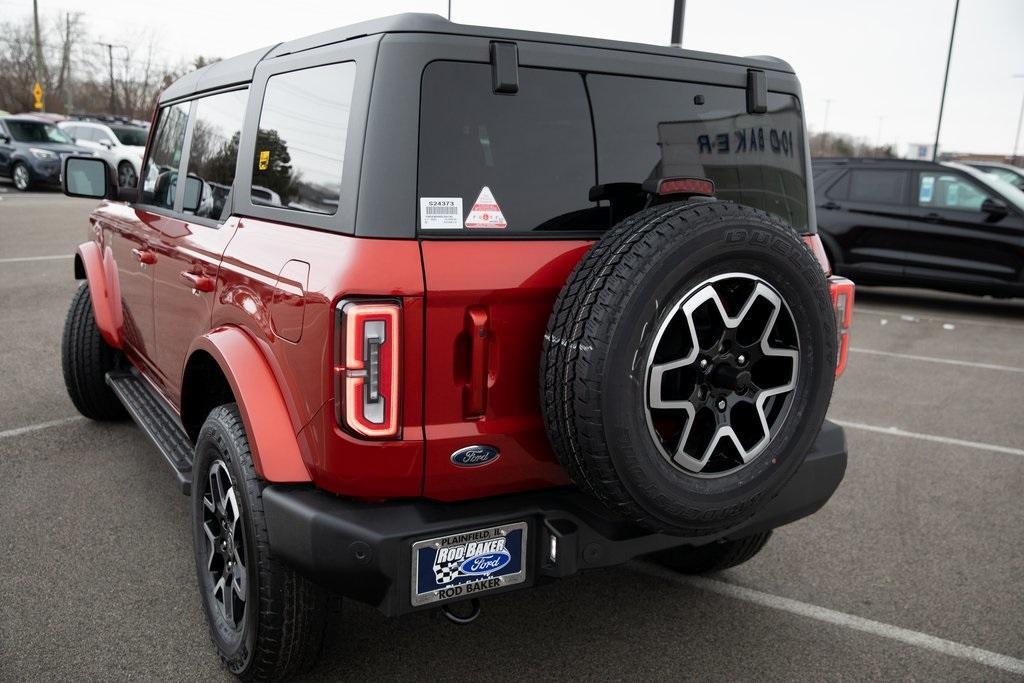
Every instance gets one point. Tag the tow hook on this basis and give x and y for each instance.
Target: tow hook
(462, 619)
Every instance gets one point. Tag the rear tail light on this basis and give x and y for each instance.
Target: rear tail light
(366, 366)
(841, 290)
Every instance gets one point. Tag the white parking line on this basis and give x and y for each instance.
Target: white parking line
(896, 431)
(28, 429)
(958, 321)
(24, 259)
(933, 359)
(830, 616)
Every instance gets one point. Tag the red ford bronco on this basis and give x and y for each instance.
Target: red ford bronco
(420, 312)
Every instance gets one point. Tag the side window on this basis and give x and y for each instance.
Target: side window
(160, 178)
(300, 143)
(525, 160)
(878, 187)
(949, 191)
(213, 152)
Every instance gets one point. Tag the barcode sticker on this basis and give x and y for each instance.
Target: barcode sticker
(441, 213)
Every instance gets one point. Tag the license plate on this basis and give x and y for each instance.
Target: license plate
(465, 564)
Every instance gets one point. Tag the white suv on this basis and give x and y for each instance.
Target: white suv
(120, 144)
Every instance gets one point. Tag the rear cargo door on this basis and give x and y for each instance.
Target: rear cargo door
(504, 215)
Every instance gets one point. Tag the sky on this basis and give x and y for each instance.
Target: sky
(870, 68)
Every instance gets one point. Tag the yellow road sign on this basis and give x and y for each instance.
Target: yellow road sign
(37, 90)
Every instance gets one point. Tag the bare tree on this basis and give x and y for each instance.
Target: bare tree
(75, 67)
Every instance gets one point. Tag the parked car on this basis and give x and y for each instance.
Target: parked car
(1005, 172)
(481, 309)
(31, 150)
(941, 225)
(120, 144)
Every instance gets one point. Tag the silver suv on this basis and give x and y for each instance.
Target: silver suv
(121, 145)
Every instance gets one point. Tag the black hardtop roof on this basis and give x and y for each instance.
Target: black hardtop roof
(240, 69)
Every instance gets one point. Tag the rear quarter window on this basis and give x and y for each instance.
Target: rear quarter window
(300, 143)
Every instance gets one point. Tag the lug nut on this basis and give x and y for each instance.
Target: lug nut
(703, 363)
(741, 359)
(721, 404)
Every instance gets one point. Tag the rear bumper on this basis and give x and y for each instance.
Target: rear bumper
(363, 550)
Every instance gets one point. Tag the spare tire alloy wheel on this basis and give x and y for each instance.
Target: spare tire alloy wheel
(733, 385)
(225, 537)
(688, 364)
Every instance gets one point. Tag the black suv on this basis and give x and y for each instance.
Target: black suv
(942, 225)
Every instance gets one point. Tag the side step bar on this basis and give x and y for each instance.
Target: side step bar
(151, 412)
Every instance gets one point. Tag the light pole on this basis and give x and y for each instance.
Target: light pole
(945, 80)
(1020, 118)
(110, 53)
(40, 102)
(678, 14)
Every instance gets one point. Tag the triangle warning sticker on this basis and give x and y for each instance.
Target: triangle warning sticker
(485, 212)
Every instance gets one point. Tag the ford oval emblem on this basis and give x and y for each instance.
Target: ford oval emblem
(475, 456)
(486, 563)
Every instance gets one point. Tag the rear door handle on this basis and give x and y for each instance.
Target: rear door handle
(145, 256)
(831, 206)
(475, 393)
(932, 217)
(199, 283)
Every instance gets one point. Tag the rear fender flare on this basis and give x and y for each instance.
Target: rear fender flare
(100, 271)
(276, 454)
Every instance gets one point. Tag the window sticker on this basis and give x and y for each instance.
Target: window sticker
(927, 188)
(443, 213)
(264, 159)
(485, 212)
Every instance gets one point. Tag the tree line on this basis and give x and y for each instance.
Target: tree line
(76, 69)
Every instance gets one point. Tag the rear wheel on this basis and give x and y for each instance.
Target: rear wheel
(86, 359)
(266, 621)
(21, 177)
(713, 557)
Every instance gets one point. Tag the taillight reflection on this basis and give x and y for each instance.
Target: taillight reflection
(366, 367)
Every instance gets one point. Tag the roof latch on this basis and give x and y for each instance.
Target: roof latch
(757, 91)
(504, 67)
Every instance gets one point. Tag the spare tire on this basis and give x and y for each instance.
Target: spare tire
(688, 364)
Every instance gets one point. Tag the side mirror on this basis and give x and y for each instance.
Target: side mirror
(88, 177)
(995, 208)
(107, 143)
(193, 193)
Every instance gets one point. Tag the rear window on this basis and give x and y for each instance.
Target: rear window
(650, 128)
(508, 162)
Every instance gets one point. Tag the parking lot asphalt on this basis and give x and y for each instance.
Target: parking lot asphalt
(914, 570)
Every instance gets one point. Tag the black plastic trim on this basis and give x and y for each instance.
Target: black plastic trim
(362, 550)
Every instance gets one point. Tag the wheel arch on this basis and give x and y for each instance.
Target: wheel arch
(226, 365)
(100, 272)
